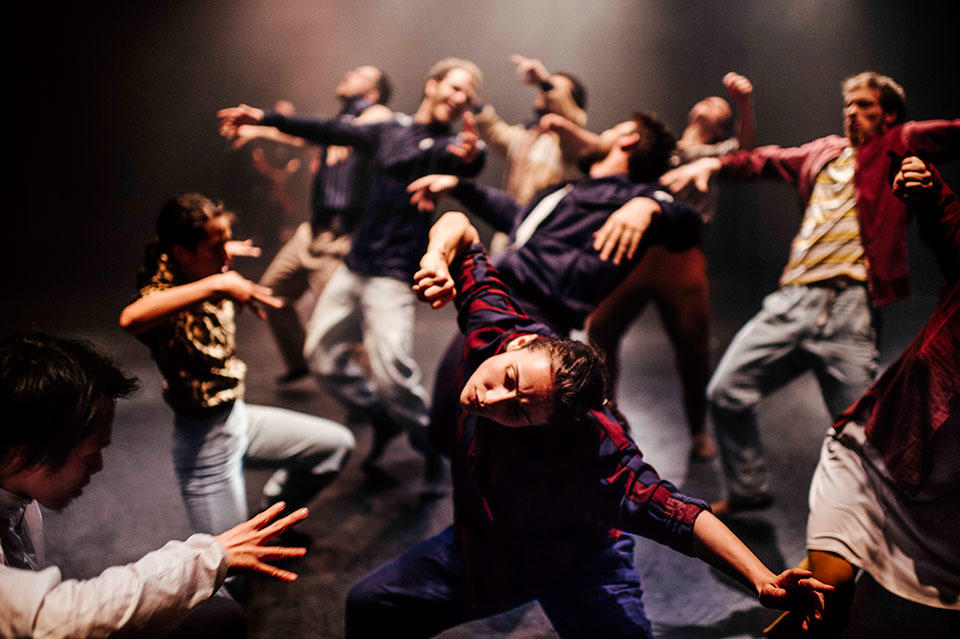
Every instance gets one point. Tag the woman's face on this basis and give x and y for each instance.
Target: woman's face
(514, 388)
(210, 256)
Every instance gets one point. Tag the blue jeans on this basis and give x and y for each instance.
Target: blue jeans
(421, 593)
(827, 330)
(209, 454)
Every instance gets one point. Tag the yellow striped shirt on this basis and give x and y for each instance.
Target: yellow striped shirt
(828, 244)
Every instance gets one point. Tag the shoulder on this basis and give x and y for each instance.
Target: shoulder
(374, 113)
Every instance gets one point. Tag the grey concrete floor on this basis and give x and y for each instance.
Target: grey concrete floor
(133, 506)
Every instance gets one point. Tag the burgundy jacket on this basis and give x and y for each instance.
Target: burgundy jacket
(882, 217)
(911, 414)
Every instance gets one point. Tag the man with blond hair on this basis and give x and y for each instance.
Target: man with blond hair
(368, 299)
(849, 258)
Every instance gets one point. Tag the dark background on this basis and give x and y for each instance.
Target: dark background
(112, 108)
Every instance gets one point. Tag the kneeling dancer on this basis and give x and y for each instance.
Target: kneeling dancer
(544, 476)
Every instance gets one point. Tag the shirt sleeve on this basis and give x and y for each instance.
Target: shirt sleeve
(485, 312)
(771, 161)
(328, 130)
(934, 140)
(678, 227)
(492, 205)
(151, 595)
(938, 221)
(496, 131)
(634, 498)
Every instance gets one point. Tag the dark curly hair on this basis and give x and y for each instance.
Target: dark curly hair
(50, 389)
(579, 375)
(650, 156)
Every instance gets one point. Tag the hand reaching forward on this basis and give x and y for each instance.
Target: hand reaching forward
(244, 544)
(621, 233)
(468, 142)
(797, 590)
(433, 283)
(427, 190)
(232, 118)
(913, 181)
(241, 248)
(246, 292)
(698, 172)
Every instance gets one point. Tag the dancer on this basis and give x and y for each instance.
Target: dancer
(317, 247)
(58, 398)
(368, 299)
(676, 282)
(185, 314)
(542, 471)
(850, 254)
(537, 158)
(884, 496)
(567, 250)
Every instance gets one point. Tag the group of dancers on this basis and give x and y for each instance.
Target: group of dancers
(546, 480)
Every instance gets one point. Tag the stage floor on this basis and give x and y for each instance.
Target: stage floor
(133, 506)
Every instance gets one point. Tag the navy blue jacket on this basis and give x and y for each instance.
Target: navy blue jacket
(557, 275)
(391, 235)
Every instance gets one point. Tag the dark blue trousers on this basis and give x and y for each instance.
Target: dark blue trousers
(421, 593)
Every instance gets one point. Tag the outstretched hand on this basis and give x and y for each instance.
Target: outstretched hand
(530, 70)
(246, 292)
(797, 590)
(241, 248)
(913, 181)
(433, 283)
(425, 191)
(468, 141)
(232, 118)
(698, 172)
(620, 235)
(245, 543)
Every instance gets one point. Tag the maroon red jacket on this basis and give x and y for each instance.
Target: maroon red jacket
(883, 218)
(914, 408)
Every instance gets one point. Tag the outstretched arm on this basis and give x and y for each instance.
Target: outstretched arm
(741, 91)
(698, 172)
(246, 544)
(150, 310)
(232, 118)
(148, 597)
(451, 234)
(575, 141)
(793, 589)
(246, 133)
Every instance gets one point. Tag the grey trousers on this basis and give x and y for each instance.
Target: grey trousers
(377, 312)
(827, 330)
(306, 261)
